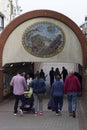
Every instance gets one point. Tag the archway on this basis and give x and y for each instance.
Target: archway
(13, 51)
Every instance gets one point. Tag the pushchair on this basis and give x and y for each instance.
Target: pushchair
(29, 100)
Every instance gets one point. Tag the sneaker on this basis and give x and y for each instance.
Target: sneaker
(35, 114)
(74, 114)
(15, 114)
(59, 110)
(21, 112)
(41, 113)
(58, 113)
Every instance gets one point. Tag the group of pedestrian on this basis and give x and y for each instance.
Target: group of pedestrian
(71, 86)
(55, 72)
(20, 84)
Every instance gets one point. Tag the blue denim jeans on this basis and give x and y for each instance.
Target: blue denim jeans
(72, 101)
(38, 102)
(58, 100)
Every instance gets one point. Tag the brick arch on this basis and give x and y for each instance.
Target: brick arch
(42, 13)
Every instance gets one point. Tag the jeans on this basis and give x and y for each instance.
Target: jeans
(38, 102)
(58, 100)
(72, 101)
(17, 98)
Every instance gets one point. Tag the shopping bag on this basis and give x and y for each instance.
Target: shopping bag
(51, 104)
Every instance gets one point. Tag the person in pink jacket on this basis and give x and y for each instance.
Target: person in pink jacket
(71, 88)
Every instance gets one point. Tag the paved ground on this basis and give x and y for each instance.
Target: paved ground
(49, 121)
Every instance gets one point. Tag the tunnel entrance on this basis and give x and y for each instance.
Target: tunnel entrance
(9, 70)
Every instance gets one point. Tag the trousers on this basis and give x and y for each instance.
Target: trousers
(17, 98)
(72, 101)
(38, 102)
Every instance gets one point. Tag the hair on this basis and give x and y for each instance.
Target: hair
(63, 67)
(71, 71)
(19, 72)
(58, 77)
(52, 68)
(37, 76)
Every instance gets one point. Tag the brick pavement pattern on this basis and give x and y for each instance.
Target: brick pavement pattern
(49, 121)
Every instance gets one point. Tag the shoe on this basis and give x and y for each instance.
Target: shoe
(58, 110)
(58, 113)
(35, 114)
(74, 114)
(15, 114)
(21, 112)
(41, 113)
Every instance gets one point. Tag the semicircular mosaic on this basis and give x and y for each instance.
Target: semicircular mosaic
(43, 39)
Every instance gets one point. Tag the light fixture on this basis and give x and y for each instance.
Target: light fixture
(23, 64)
(11, 65)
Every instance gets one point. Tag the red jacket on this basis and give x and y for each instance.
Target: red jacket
(72, 84)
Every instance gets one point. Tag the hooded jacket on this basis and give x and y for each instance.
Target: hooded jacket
(72, 84)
